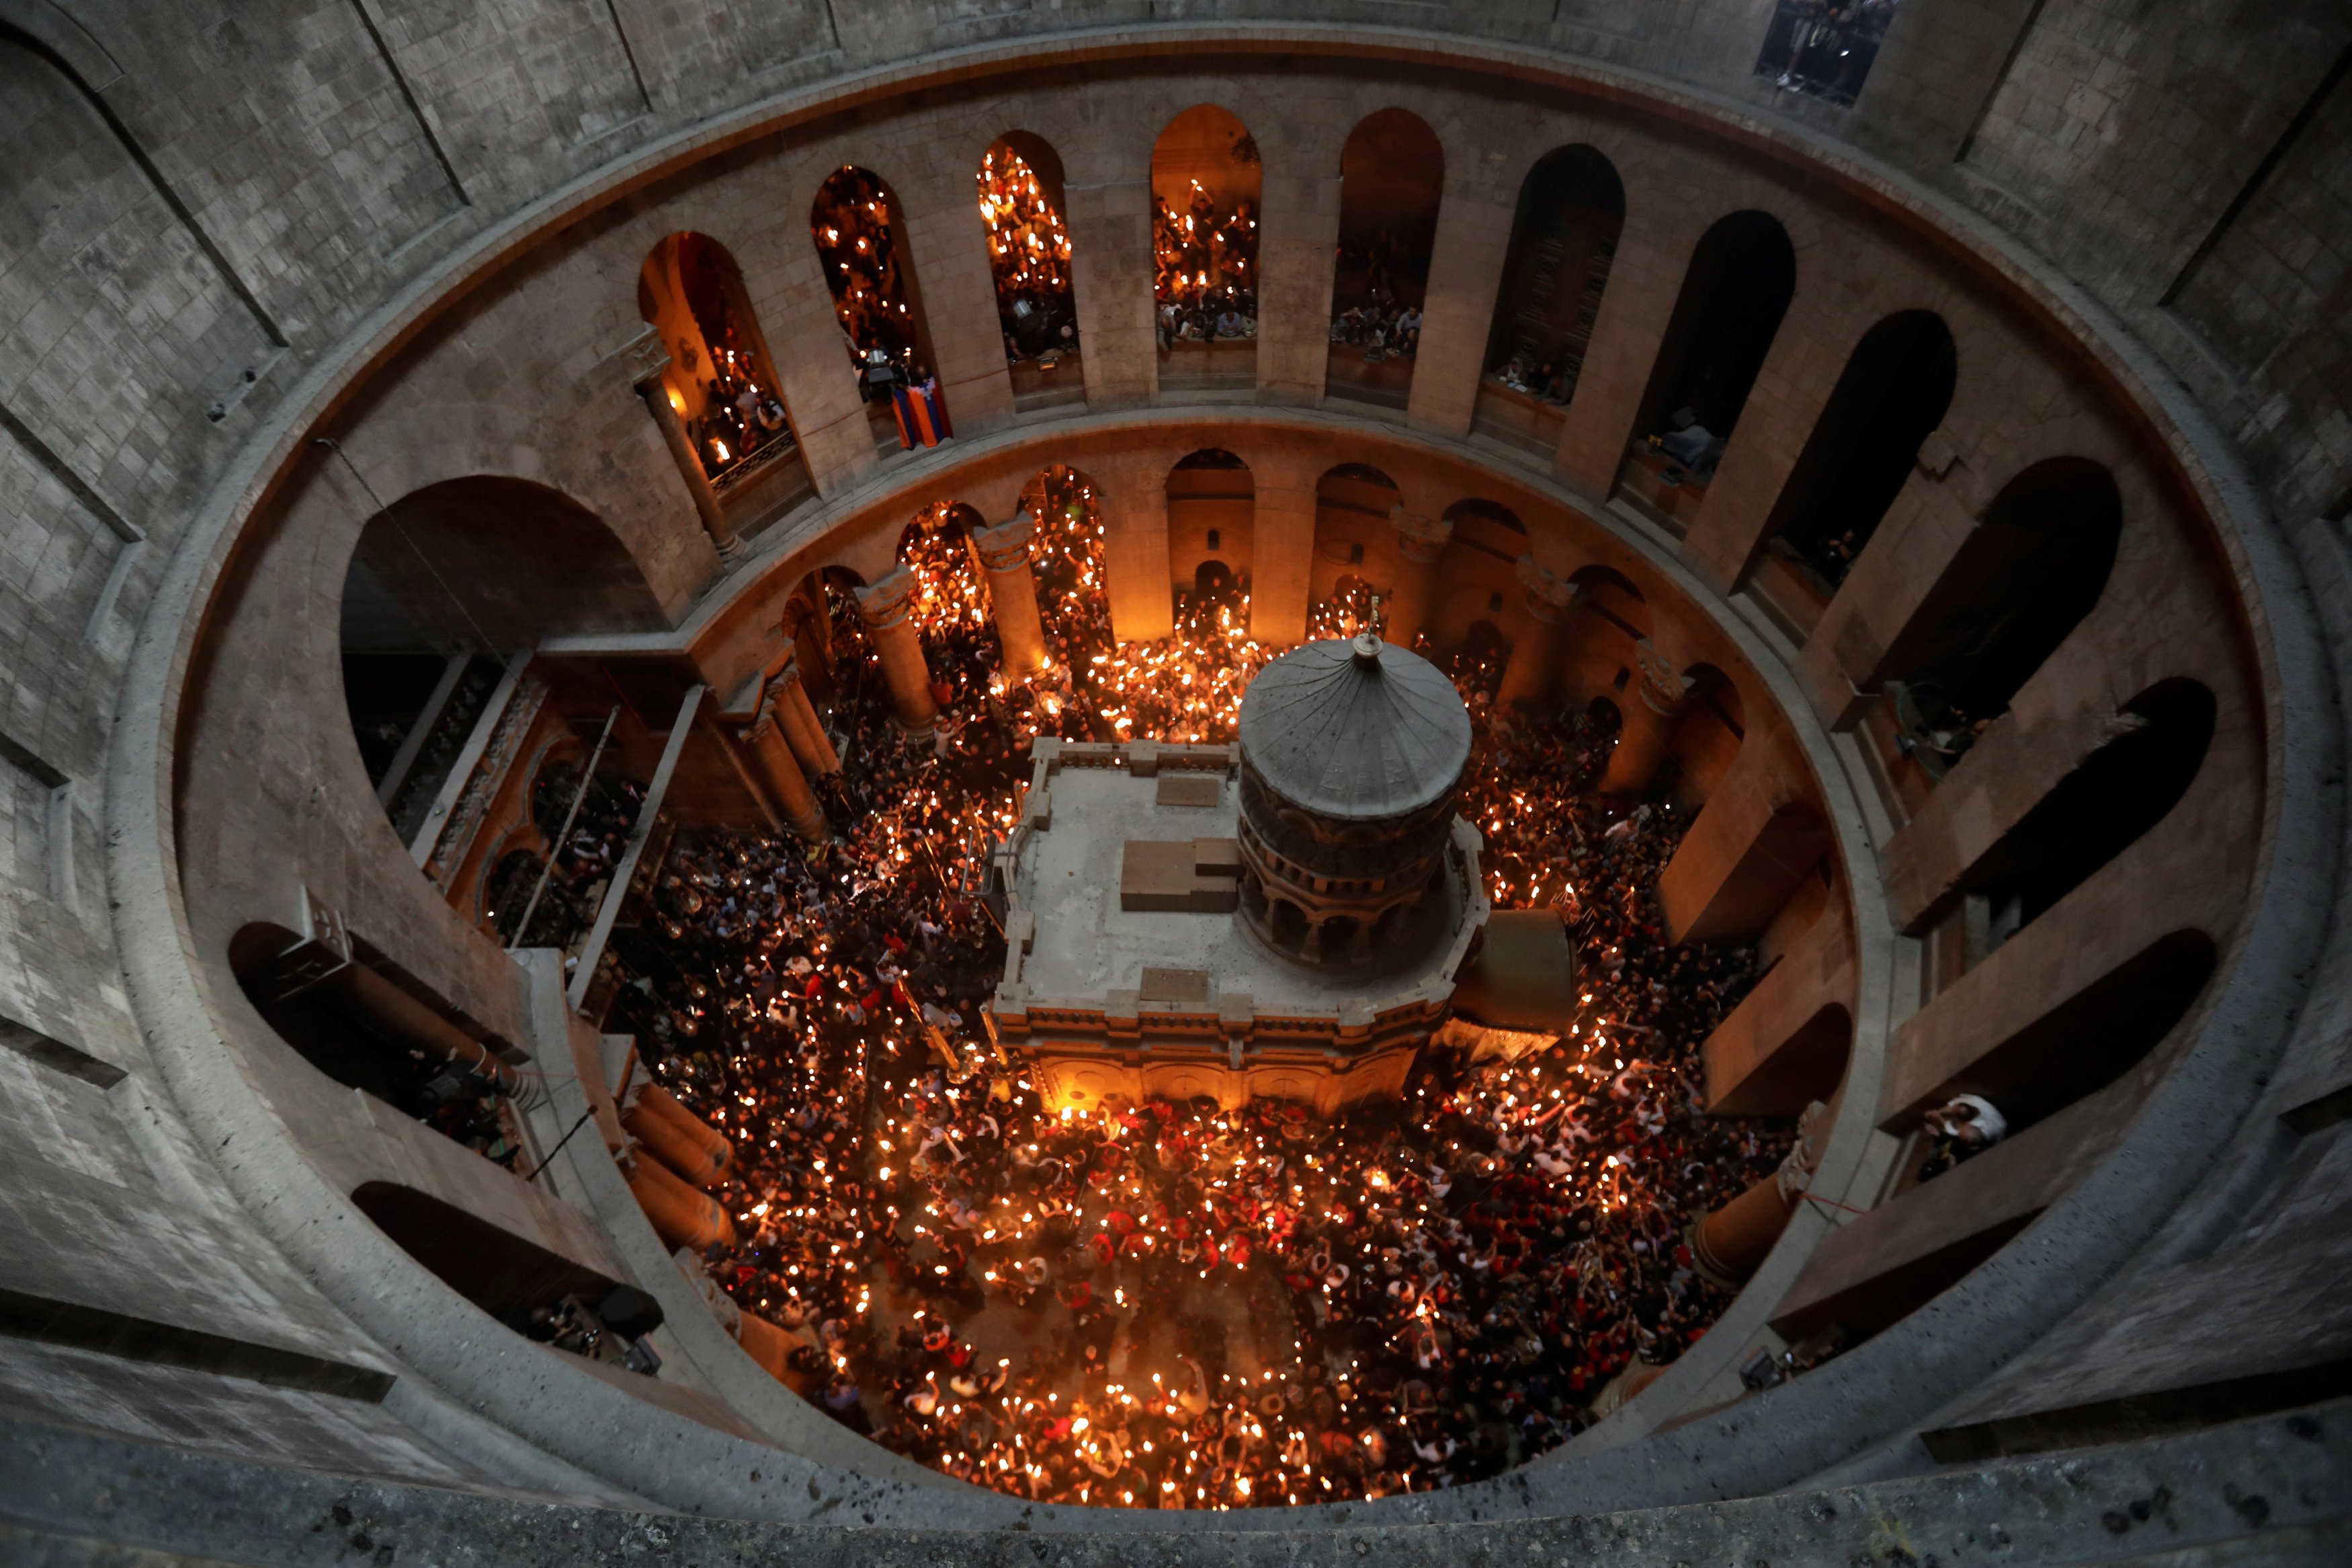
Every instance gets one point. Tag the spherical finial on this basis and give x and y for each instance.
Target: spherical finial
(1368, 650)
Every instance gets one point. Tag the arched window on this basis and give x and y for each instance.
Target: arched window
(1738, 287)
(721, 384)
(1896, 389)
(1023, 206)
(1392, 177)
(861, 247)
(1563, 240)
(1205, 184)
(2088, 1041)
(2091, 816)
(1211, 522)
(2029, 572)
(1357, 559)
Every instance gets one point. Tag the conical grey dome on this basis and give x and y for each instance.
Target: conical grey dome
(1359, 730)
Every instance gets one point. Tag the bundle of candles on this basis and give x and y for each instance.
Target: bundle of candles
(1027, 245)
(1177, 1305)
(1201, 248)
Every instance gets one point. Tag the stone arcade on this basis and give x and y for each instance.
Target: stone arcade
(542, 541)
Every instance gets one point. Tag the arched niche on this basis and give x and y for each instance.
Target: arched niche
(1896, 389)
(2029, 572)
(1708, 733)
(859, 231)
(721, 383)
(1206, 185)
(1608, 619)
(1391, 180)
(1738, 287)
(444, 584)
(1024, 209)
(1355, 539)
(1211, 517)
(1571, 208)
(1477, 571)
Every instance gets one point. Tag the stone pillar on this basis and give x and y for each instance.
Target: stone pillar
(1466, 274)
(648, 362)
(1133, 499)
(883, 609)
(796, 716)
(1650, 718)
(1282, 548)
(1013, 592)
(1421, 539)
(772, 760)
(1298, 234)
(1527, 676)
(1111, 282)
(1729, 1244)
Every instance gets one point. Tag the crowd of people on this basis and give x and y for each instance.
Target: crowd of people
(1029, 253)
(1175, 1304)
(1383, 327)
(1541, 379)
(588, 828)
(741, 415)
(1206, 268)
(857, 240)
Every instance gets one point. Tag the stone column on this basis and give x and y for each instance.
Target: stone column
(1650, 719)
(1729, 1244)
(1421, 539)
(1133, 499)
(1282, 550)
(648, 362)
(1527, 676)
(1466, 274)
(1111, 279)
(883, 608)
(796, 716)
(1013, 592)
(1298, 234)
(772, 758)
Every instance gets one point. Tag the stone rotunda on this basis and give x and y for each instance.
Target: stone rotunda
(456, 468)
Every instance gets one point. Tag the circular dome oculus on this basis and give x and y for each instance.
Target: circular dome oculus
(1357, 728)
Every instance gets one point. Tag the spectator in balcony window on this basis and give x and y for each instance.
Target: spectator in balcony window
(1962, 1128)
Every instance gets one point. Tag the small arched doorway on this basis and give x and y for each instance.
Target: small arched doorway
(1356, 557)
(1212, 520)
